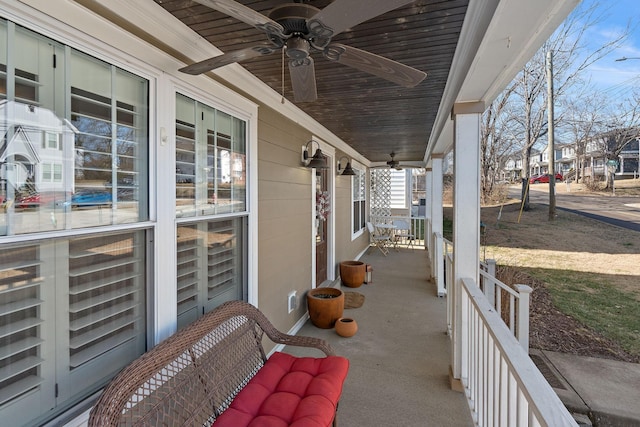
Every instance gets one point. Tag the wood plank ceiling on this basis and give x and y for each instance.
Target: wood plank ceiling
(370, 114)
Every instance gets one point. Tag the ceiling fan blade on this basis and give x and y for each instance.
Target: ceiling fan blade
(374, 64)
(245, 14)
(228, 58)
(343, 14)
(303, 79)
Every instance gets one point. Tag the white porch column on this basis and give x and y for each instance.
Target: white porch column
(437, 266)
(428, 233)
(466, 221)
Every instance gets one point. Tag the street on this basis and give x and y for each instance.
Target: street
(617, 210)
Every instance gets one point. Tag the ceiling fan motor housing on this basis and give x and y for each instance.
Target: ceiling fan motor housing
(293, 17)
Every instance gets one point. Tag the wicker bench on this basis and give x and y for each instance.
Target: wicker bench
(215, 371)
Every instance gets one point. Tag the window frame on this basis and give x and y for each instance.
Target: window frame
(360, 177)
(116, 357)
(134, 55)
(203, 219)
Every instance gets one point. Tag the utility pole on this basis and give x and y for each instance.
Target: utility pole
(550, 135)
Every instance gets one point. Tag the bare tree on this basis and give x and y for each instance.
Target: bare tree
(582, 121)
(494, 143)
(528, 102)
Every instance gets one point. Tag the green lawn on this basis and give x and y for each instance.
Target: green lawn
(594, 301)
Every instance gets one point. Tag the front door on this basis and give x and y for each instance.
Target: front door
(322, 220)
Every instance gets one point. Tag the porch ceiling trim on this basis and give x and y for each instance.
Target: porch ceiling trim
(481, 70)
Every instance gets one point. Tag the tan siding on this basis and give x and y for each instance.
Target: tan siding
(284, 217)
(285, 221)
(345, 248)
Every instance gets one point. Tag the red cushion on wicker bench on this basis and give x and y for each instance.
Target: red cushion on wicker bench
(289, 391)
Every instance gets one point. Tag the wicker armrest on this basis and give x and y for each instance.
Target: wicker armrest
(274, 334)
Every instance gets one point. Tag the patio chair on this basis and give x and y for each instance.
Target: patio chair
(403, 233)
(382, 241)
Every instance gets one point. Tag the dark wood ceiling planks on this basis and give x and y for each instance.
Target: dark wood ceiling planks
(370, 114)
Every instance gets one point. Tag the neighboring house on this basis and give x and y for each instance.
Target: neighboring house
(511, 170)
(602, 148)
(567, 160)
(37, 149)
(597, 152)
(539, 161)
(629, 160)
(201, 193)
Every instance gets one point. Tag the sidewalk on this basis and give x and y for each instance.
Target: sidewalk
(607, 390)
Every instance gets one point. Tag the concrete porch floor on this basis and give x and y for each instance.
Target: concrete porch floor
(399, 359)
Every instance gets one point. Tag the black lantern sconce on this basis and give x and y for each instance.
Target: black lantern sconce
(318, 161)
(348, 170)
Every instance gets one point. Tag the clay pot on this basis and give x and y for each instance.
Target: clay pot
(346, 327)
(353, 273)
(325, 306)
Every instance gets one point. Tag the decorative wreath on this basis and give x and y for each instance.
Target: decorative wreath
(322, 205)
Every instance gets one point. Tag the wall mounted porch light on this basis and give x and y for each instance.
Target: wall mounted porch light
(348, 170)
(318, 161)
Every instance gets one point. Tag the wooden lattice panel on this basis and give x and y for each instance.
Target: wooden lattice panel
(380, 192)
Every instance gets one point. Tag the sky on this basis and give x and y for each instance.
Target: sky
(616, 78)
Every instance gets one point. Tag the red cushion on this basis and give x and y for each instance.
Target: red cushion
(289, 391)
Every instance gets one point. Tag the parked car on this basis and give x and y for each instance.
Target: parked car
(35, 199)
(90, 197)
(544, 178)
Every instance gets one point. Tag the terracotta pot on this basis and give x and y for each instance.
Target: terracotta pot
(353, 273)
(325, 306)
(346, 327)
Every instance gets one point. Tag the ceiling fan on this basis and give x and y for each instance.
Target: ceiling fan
(300, 29)
(393, 163)
(396, 164)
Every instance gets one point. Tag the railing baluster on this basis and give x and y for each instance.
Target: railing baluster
(512, 314)
(524, 293)
(491, 291)
(502, 384)
(504, 393)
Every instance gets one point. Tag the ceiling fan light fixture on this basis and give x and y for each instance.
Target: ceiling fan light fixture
(297, 48)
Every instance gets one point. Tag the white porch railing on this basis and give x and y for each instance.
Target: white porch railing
(502, 384)
(417, 226)
(447, 249)
(511, 304)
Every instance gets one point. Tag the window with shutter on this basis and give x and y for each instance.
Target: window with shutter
(210, 160)
(54, 349)
(105, 294)
(210, 182)
(358, 200)
(189, 273)
(72, 305)
(62, 169)
(23, 292)
(211, 260)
